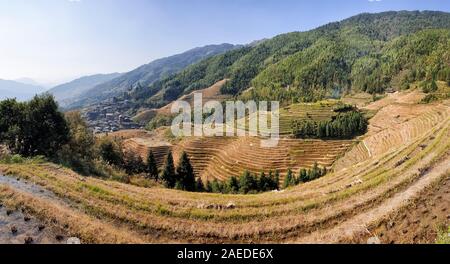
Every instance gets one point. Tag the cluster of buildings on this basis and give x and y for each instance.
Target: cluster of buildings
(109, 117)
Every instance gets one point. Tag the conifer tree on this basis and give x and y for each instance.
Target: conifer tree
(263, 183)
(289, 180)
(185, 173)
(247, 183)
(216, 187)
(233, 185)
(208, 187)
(303, 175)
(152, 168)
(199, 186)
(168, 175)
(277, 179)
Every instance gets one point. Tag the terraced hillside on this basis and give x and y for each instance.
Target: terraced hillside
(141, 142)
(211, 93)
(407, 168)
(223, 157)
(399, 121)
(220, 158)
(314, 111)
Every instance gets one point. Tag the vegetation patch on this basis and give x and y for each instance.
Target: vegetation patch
(345, 125)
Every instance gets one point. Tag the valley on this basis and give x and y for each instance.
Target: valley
(359, 110)
(370, 183)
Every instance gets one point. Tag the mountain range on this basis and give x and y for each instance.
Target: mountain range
(143, 76)
(367, 52)
(20, 91)
(70, 92)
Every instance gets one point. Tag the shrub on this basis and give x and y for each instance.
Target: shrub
(429, 86)
(110, 151)
(429, 98)
(17, 158)
(133, 163)
(79, 152)
(159, 121)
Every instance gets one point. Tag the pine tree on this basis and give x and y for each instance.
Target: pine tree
(199, 186)
(216, 187)
(315, 172)
(289, 180)
(273, 185)
(277, 179)
(263, 183)
(298, 179)
(304, 175)
(233, 185)
(247, 183)
(185, 173)
(168, 175)
(208, 187)
(152, 168)
(140, 165)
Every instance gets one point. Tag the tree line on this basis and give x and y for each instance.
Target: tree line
(345, 125)
(304, 175)
(38, 128)
(247, 183)
(183, 178)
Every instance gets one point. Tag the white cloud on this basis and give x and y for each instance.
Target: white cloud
(368, 0)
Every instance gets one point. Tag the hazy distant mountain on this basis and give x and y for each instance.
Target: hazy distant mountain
(148, 74)
(30, 81)
(18, 90)
(69, 92)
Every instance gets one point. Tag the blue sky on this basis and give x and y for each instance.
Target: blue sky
(57, 40)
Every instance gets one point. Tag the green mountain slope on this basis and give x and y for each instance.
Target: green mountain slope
(327, 61)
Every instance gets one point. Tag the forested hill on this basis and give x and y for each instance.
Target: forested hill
(147, 74)
(370, 52)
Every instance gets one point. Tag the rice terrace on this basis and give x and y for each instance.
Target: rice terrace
(363, 154)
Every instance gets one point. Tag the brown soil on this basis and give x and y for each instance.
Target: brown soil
(420, 221)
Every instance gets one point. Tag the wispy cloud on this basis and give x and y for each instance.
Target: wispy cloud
(371, 1)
